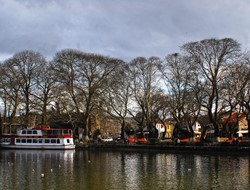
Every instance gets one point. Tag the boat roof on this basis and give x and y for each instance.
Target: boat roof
(48, 128)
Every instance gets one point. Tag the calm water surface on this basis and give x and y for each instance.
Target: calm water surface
(111, 170)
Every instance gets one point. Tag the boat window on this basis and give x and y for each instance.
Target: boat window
(29, 132)
(58, 141)
(53, 140)
(65, 132)
(67, 140)
(34, 140)
(7, 140)
(40, 141)
(23, 140)
(29, 140)
(56, 132)
(23, 132)
(47, 141)
(49, 132)
(34, 132)
(18, 140)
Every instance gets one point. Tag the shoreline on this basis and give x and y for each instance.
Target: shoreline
(168, 148)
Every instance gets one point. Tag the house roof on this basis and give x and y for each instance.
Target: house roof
(234, 118)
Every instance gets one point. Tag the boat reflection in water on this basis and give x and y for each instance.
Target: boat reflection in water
(34, 169)
(108, 170)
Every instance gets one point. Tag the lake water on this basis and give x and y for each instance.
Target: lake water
(114, 170)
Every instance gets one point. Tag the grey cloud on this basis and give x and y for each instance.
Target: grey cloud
(120, 28)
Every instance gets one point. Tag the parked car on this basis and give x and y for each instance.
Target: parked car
(108, 139)
(118, 139)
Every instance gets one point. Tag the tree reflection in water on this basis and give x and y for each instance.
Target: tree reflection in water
(107, 170)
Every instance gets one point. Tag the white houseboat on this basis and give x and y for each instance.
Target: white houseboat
(39, 138)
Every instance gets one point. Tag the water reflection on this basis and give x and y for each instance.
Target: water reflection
(29, 169)
(121, 170)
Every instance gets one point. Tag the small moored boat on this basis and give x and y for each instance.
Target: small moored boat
(39, 138)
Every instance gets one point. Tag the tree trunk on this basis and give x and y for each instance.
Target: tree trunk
(44, 114)
(248, 124)
(123, 130)
(1, 126)
(86, 128)
(216, 131)
(27, 114)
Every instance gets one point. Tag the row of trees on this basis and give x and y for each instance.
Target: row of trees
(209, 79)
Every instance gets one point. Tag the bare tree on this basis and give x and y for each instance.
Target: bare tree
(83, 78)
(161, 109)
(145, 83)
(10, 90)
(244, 89)
(214, 58)
(183, 89)
(94, 73)
(65, 68)
(66, 95)
(28, 65)
(230, 90)
(46, 82)
(116, 99)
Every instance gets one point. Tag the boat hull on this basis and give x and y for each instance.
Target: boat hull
(38, 147)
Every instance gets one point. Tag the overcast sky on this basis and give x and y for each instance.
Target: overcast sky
(123, 29)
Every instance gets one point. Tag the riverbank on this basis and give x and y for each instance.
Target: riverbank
(173, 148)
(216, 148)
